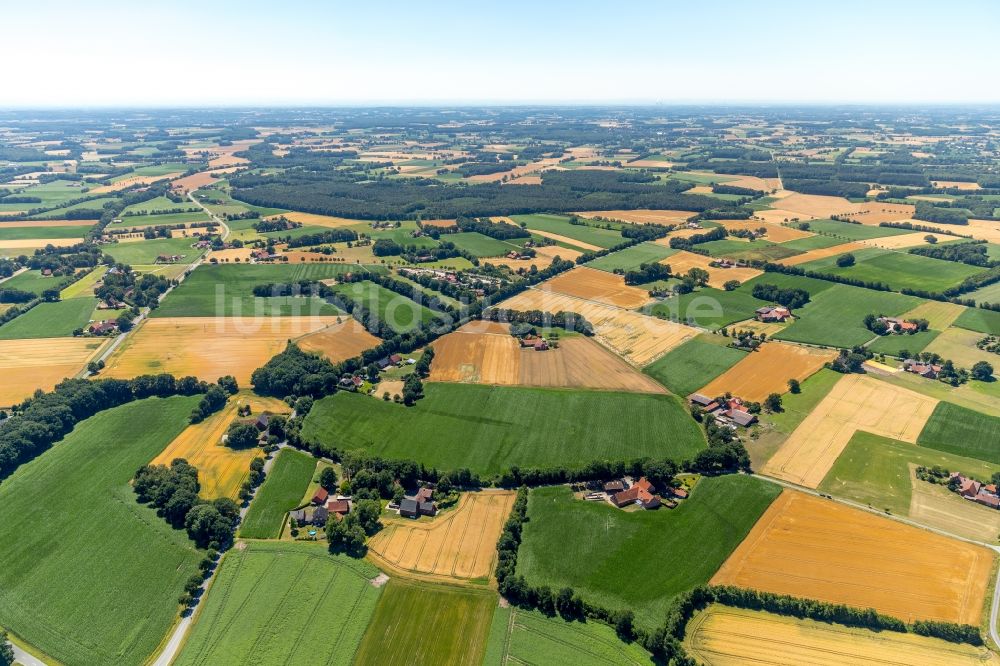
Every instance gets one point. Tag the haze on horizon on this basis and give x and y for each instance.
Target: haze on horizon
(308, 52)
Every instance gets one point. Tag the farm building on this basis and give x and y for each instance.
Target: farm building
(339, 507)
(310, 516)
(772, 313)
(731, 411)
(926, 370)
(418, 505)
(320, 496)
(974, 491)
(640, 493)
(897, 325)
(103, 327)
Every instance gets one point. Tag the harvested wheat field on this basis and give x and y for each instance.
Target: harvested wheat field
(208, 347)
(822, 253)
(638, 338)
(526, 180)
(956, 184)
(856, 402)
(683, 261)
(313, 220)
(339, 341)
(780, 215)
(559, 238)
(724, 636)
(939, 314)
(221, 470)
(198, 180)
(516, 172)
(543, 258)
(770, 329)
(811, 547)
(595, 285)
(902, 241)
(230, 255)
(768, 370)
(873, 213)
(776, 233)
(47, 223)
(440, 224)
(133, 180)
(41, 363)
(641, 216)
(818, 205)
(755, 183)
(35, 243)
(459, 544)
(486, 353)
(938, 507)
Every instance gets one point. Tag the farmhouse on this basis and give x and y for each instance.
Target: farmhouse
(314, 516)
(640, 493)
(897, 325)
(169, 258)
(972, 490)
(263, 421)
(927, 370)
(419, 504)
(338, 507)
(320, 496)
(772, 313)
(731, 411)
(103, 327)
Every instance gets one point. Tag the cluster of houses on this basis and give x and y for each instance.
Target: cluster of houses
(419, 504)
(514, 254)
(925, 370)
(897, 325)
(773, 314)
(642, 493)
(264, 255)
(103, 327)
(532, 341)
(972, 490)
(731, 412)
(322, 508)
(169, 258)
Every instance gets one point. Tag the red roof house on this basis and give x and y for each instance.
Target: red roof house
(320, 496)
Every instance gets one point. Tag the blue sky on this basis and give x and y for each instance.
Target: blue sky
(61, 52)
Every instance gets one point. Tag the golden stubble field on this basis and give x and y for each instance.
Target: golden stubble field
(822, 253)
(485, 353)
(816, 548)
(339, 341)
(208, 347)
(683, 261)
(856, 402)
(595, 285)
(723, 636)
(642, 216)
(41, 363)
(455, 545)
(221, 470)
(636, 337)
(768, 370)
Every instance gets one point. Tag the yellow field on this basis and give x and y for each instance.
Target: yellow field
(904, 240)
(817, 205)
(35, 243)
(41, 363)
(822, 253)
(516, 172)
(776, 233)
(129, 182)
(207, 347)
(636, 337)
(484, 352)
(780, 215)
(873, 213)
(936, 506)
(856, 402)
(84, 286)
(168, 271)
(27, 224)
(221, 470)
(767, 328)
(198, 180)
(816, 548)
(768, 370)
(939, 314)
(724, 636)
(641, 216)
(595, 285)
(565, 239)
(959, 345)
(340, 341)
(230, 255)
(544, 256)
(459, 544)
(313, 220)
(683, 261)
(958, 184)
(755, 183)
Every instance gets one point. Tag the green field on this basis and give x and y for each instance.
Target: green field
(40, 231)
(196, 296)
(845, 231)
(694, 364)
(899, 270)
(155, 205)
(527, 636)
(490, 428)
(812, 243)
(795, 407)
(398, 311)
(60, 213)
(164, 219)
(50, 320)
(632, 257)
(282, 491)
(894, 344)
(835, 316)
(427, 624)
(89, 575)
(709, 308)
(982, 321)
(480, 245)
(638, 559)
(559, 224)
(962, 432)
(281, 603)
(54, 193)
(812, 285)
(761, 250)
(33, 281)
(146, 251)
(875, 470)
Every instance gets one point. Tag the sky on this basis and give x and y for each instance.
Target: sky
(301, 52)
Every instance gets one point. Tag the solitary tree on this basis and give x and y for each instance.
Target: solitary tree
(982, 371)
(773, 402)
(241, 436)
(793, 386)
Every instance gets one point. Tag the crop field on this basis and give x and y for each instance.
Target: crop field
(811, 547)
(963, 432)
(41, 234)
(959, 345)
(683, 261)
(768, 370)
(84, 287)
(835, 316)
(207, 347)
(112, 597)
(875, 212)
(824, 253)
(146, 251)
(631, 257)
(617, 556)
(856, 232)
(642, 216)
(723, 636)
(339, 341)
(904, 241)
(41, 363)
(558, 227)
(527, 636)
(638, 338)
(544, 255)
(776, 233)
(816, 205)
(528, 427)
(857, 402)
(278, 602)
(900, 270)
(221, 470)
(895, 345)
(459, 544)
(977, 319)
(32, 281)
(281, 492)
(596, 285)
(480, 245)
(401, 313)
(50, 320)
(416, 623)
(694, 364)
(816, 242)
(939, 314)
(709, 308)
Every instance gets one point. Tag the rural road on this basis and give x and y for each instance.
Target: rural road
(995, 607)
(212, 215)
(22, 657)
(14, 274)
